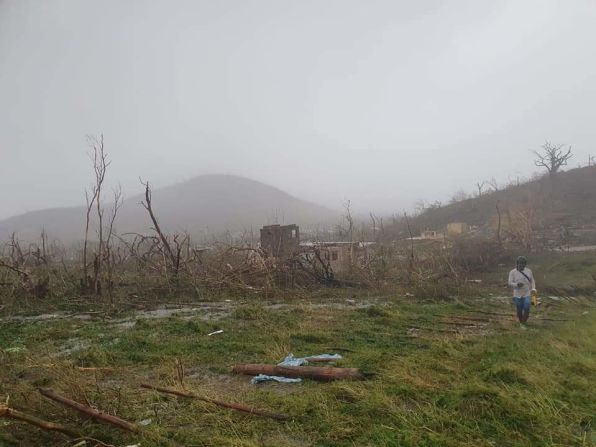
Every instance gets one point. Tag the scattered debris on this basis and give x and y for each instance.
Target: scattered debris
(238, 407)
(215, 332)
(15, 349)
(290, 360)
(265, 378)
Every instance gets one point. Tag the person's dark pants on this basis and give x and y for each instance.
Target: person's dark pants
(523, 308)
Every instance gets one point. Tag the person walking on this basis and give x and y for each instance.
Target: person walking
(521, 279)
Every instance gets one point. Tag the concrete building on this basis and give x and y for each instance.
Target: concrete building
(457, 228)
(339, 256)
(280, 241)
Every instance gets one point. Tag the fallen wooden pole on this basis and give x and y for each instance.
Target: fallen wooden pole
(11, 413)
(95, 369)
(91, 412)
(322, 373)
(237, 407)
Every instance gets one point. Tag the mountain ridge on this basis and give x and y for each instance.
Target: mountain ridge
(203, 205)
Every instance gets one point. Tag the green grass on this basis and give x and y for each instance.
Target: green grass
(435, 383)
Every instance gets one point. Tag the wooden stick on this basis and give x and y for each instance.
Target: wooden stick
(322, 373)
(95, 369)
(91, 412)
(238, 407)
(46, 425)
(320, 360)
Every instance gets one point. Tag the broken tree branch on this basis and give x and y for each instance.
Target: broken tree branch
(237, 407)
(91, 412)
(149, 207)
(321, 373)
(11, 413)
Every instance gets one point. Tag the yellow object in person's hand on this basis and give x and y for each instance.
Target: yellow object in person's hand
(534, 297)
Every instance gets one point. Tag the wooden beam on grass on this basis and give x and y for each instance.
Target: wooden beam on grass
(321, 373)
(237, 407)
(11, 413)
(91, 412)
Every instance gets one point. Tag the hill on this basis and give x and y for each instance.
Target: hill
(205, 205)
(567, 200)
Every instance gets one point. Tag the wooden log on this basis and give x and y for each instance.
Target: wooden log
(11, 413)
(322, 373)
(237, 407)
(91, 412)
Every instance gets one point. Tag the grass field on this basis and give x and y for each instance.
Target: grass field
(445, 374)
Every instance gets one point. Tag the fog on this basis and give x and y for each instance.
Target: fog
(381, 103)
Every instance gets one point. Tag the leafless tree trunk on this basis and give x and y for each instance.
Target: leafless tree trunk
(100, 162)
(411, 257)
(493, 184)
(109, 256)
(480, 186)
(173, 258)
(90, 200)
(499, 225)
(350, 220)
(374, 225)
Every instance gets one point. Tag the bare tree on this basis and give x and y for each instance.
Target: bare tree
(552, 157)
(100, 161)
(108, 254)
(480, 186)
(90, 200)
(500, 242)
(173, 255)
(493, 184)
(350, 221)
(373, 219)
(459, 196)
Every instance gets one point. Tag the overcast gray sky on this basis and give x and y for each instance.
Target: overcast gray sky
(380, 102)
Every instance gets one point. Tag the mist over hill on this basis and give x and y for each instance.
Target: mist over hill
(203, 206)
(566, 199)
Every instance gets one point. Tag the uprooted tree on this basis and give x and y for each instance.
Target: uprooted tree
(552, 157)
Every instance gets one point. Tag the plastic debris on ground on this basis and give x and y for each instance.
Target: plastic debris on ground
(265, 378)
(215, 332)
(15, 349)
(290, 360)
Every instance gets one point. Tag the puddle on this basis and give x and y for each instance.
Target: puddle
(206, 312)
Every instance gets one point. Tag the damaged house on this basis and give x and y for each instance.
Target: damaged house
(283, 242)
